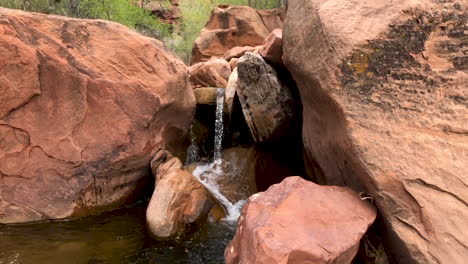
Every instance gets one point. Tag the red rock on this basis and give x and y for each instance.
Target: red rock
(272, 48)
(298, 221)
(213, 73)
(233, 63)
(238, 52)
(84, 106)
(384, 91)
(228, 27)
(273, 18)
(178, 201)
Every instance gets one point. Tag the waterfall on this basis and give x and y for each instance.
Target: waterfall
(219, 129)
(192, 151)
(208, 174)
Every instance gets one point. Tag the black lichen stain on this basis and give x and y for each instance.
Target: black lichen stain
(370, 69)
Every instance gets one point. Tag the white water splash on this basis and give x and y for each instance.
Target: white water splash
(192, 151)
(208, 174)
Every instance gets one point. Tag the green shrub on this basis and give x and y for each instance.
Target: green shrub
(120, 11)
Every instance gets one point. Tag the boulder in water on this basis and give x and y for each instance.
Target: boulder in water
(84, 105)
(298, 221)
(384, 90)
(268, 106)
(178, 200)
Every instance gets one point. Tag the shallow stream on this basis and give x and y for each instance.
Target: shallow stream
(119, 236)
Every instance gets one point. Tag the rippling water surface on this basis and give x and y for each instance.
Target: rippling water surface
(115, 237)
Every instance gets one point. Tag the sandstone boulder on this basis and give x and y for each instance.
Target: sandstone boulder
(272, 48)
(228, 27)
(267, 104)
(238, 52)
(384, 91)
(273, 18)
(298, 221)
(213, 73)
(178, 200)
(84, 105)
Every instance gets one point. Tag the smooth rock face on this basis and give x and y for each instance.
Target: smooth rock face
(213, 73)
(178, 200)
(298, 221)
(384, 91)
(229, 27)
(84, 105)
(268, 106)
(272, 48)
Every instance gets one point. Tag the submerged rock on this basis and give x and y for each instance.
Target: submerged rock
(178, 200)
(267, 104)
(213, 73)
(84, 104)
(298, 221)
(384, 90)
(229, 27)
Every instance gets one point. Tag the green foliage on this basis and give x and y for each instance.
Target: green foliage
(124, 12)
(195, 14)
(120, 11)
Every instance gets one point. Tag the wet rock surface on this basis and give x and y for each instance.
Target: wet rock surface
(300, 222)
(87, 104)
(178, 200)
(385, 112)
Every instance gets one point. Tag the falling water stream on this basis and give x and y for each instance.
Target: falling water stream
(209, 174)
(121, 236)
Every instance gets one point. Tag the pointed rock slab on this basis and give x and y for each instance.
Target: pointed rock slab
(231, 91)
(272, 48)
(298, 221)
(84, 104)
(267, 104)
(179, 199)
(385, 96)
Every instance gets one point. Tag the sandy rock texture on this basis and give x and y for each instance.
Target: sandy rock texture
(84, 106)
(233, 26)
(179, 200)
(298, 221)
(384, 90)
